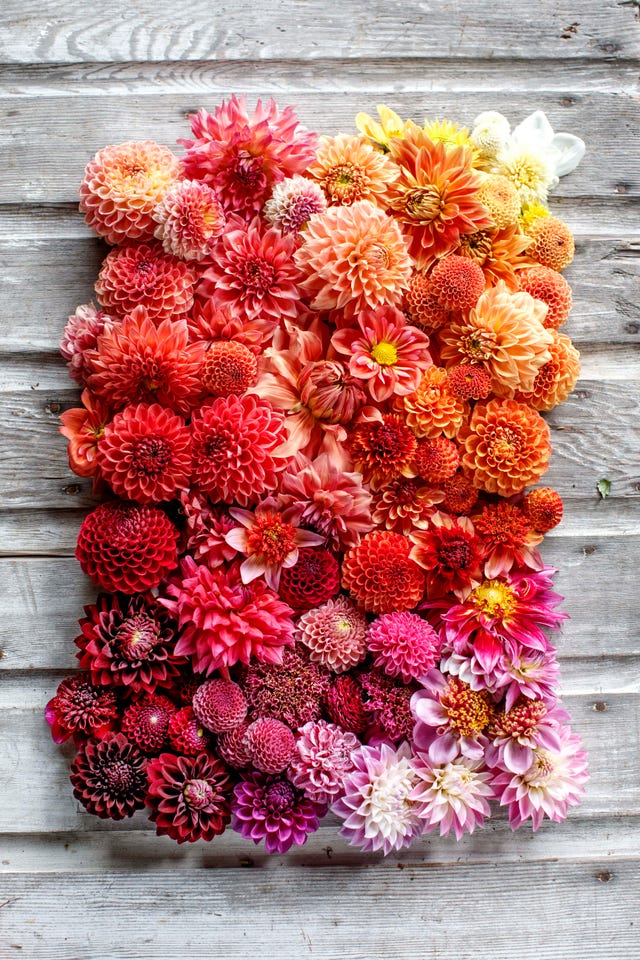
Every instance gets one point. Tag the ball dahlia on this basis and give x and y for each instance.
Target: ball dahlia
(219, 705)
(557, 378)
(543, 508)
(380, 575)
(231, 748)
(460, 494)
(270, 808)
(81, 709)
(109, 777)
(126, 547)
(469, 381)
(229, 367)
(498, 194)
(421, 304)
(189, 220)
(553, 245)
(143, 275)
(436, 460)
(314, 578)
(433, 408)
(335, 634)
(457, 282)
(269, 744)
(551, 288)
(322, 760)
(403, 644)
(188, 796)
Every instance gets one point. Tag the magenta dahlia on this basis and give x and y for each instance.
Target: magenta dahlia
(404, 645)
(270, 808)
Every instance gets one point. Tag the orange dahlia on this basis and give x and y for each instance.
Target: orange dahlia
(508, 539)
(504, 333)
(422, 305)
(404, 504)
(469, 381)
(553, 244)
(457, 282)
(349, 168)
(433, 409)
(543, 508)
(83, 426)
(505, 446)
(353, 258)
(121, 187)
(499, 252)
(435, 197)
(436, 460)
(144, 275)
(229, 367)
(548, 285)
(379, 574)
(557, 378)
(460, 494)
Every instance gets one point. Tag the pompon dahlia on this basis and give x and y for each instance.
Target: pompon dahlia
(500, 197)
(457, 282)
(207, 527)
(451, 553)
(242, 156)
(270, 808)
(189, 797)
(432, 409)
(505, 446)
(81, 709)
(349, 168)
(508, 538)
(80, 335)
(219, 705)
(186, 735)
(460, 494)
(189, 220)
(224, 621)
(293, 202)
(380, 575)
(121, 187)
(143, 275)
(388, 702)
(404, 504)
(553, 244)
(145, 453)
(451, 718)
(436, 460)
(548, 285)
(382, 449)
(230, 746)
(109, 777)
(128, 641)
(553, 783)
(253, 273)
(314, 578)
(139, 361)
(376, 807)
(269, 744)
(345, 704)
(83, 427)
(469, 381)
(234, 448)
(385, 351)
(353, 258)
(322, 760)
(229, 367)
(422, 305)
(435, 197)
(145, 722)
(452, 796)
(403, 644)
(127, 547)
(557, 378)
(291, 692)
(335, 634)
(543, 508)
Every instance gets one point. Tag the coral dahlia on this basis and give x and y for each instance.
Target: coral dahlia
(557, 378)
(229, 367)
(189, 220)
(83, 427)
(335, 634)
(189, 797)
(548, 285)
(508, 538)
(457, 282)
(380, 575)
(143, 275)
(349, 168)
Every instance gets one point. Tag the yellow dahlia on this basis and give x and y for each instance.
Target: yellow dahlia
(381, 133)
(504, 333)
(530, 171)
(349, 169)
(433, 409)
(501, 199)
(531, 212)
(557, 378)
(499, 252)
(448, 133)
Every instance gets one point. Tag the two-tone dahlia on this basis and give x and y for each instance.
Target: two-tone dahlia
(514, 734)
(452, 796)
(81, 709)
(189, 220)
(143, 275)
(189, 797)
(349, 168)
(83, 427)
(451, 553)
(293, 202)
(80, 335)
(109, 777)
(403, 645)
(335, 634)
(404, 504)
(451, 718)
(291, 691)
(270, 809)
(321, 760)
(380, 574)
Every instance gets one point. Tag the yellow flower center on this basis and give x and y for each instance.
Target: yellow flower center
(423, 204)
(468, 711)
(494, 598)
(385, 353)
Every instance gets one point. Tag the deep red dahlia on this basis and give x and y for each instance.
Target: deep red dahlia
(219, 705)
(345, 704)
(314, 578)
(146, 722)
(380, 575)
(389, 704)
(189, 796)
(81, 709)
(128, 548)
(186, 735)
(382, 449)
(128, 641)
(231, 747)
(143, 275)
(451, 553)
(291, 692)
(109, 777)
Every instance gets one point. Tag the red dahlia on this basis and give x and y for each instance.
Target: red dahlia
(109, 777)
(143, 275)
(345, 704)
(125, 547)
(189, 796)
(380, 575)
(451, 553)
(81, 709)
(382, 449)
(146, 722)
(186, 735)
(314, 578)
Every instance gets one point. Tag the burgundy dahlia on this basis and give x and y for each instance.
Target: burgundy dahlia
(81, 708)
(186, 735)
(314, 578)
(389, 703)
(291, 692)
(272, 809)
(189, 796)
(345, 704)
(109, 777)
(146, 722)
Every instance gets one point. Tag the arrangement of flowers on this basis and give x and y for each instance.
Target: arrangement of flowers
(312, 398)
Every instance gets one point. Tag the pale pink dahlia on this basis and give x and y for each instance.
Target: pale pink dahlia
(453, 796)
(377, 806)
(242, 156)
(189, 220)
(270, 808)
(353, 258)
(404, 645)
(80, 334)
(451, 718)
(515, 672)
(335, 634)
(322, 760)
(293, 202)
(253, 273)
(224, 621)
(553, 783)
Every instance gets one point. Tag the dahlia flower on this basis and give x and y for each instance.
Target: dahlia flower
(501, 199)
(452, 796)
(335, 634)
(382, 449)
(209, 323)
(432, 409)
(143, 275)
(186, 736)
(81, 709)
(490, 134)
(553, 783)
(188, 796)
(270, 808)
(446, 132)
(514, 734)
(268, 540)
(83, 427)
(403, 644)
(345, 704)
(224, 621)
(229, 367)
(253, 273)
(436, 460)
(388, 703)
(385, 352)
(380, 575)
(451, 718)
(421, 304)
(519, 672)
(293, 202)
(377, 806)
(469, 381)
(552, 243)
(543, 508)
(189, 220)
(243, 156)
(451, 553)
(528, 169)
(551, 288)
(145, 722)
(219, 705)
(121, 187)
(508, 539)
(349, 168)
(80, 335)
(292, 691)
(557, 378)
(322, 760)
(269, 744)
(460, 494)
(353, 258)
(230, 746)
(404, 504)
(109, 777)
(314, 578)
(381, 133)
(456, 282)
(206, 528)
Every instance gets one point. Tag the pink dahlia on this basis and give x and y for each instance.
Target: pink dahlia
(189, 796)
(385, 351)
(404, 645)
(453, 796)
(207, 527)
(253, 273)
(335, 634)
(243, 156)
(293, 202)
(145, 453)
(143, 275)
(81, 334)
(451, 718)
(517, 671)
(292, 691)
(219, 705)
(235, 448)
(269, 744)
(189, 220)
(515, 733)
(270, 808)
(552, 783)
(269, 541)
(81, 709)
(354, 258)
(322, 760)
(230, 746)
(224, 621)
(377, 806)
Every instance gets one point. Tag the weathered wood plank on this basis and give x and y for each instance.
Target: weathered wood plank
(259, 31)
(74, 128)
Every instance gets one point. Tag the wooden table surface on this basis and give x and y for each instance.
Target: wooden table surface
(76, 76)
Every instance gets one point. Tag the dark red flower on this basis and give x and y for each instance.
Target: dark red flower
(291, 692)
(189, 796)
(146, 722)
(345, 704)
(109, 777)
(314, 578)
(80, 708)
